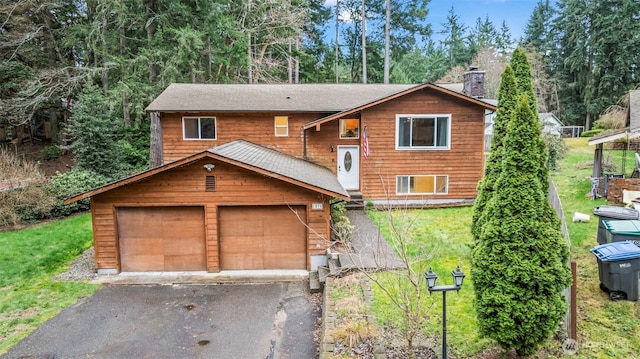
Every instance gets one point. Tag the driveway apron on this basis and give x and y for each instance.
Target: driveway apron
(272, 321)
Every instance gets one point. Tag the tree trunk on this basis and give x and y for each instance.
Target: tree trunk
(387, 40)
(207, 76)
(125, 100)
(155, 153)
(364, 43)
(151, 31)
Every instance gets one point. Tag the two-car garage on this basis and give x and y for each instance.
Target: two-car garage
(238, 206)
(173, 238)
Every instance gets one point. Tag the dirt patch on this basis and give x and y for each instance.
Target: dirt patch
(33, 153)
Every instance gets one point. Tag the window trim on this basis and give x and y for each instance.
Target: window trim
(446, 190)
(423, 148)
(215, 126)
(357, 136)
(276, 127)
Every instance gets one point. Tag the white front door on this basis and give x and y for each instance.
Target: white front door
(349, 167)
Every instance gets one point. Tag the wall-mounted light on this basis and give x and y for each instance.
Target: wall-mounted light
(209, 167)
(332, 148)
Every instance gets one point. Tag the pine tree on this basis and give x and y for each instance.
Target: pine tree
(519, 260)
(507, 96)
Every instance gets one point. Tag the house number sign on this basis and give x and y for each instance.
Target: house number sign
(347, 161)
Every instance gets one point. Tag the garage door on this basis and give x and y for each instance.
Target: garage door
(268, 237)
(161, 239)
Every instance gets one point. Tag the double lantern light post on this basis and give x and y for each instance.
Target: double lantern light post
(431, 277)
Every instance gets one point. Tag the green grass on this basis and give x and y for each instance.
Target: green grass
(29, 260)
(447, 235)
(606, 329)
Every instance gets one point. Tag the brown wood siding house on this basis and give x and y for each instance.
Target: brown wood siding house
(249, 171)
(239, 206)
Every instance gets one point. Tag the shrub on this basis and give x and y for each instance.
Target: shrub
(340, 224)
(592, 132)
(50, 152)
(24, 197)
(68, 184)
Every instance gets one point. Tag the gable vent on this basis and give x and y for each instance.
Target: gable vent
(210, 185)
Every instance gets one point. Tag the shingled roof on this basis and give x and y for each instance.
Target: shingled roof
(252, 157)
(278, 163)
(270, 97)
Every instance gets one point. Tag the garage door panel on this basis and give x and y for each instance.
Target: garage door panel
(161, 238)
(265, 237)
(284, 261)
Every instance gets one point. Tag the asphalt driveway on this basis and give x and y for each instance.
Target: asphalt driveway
(265, 321)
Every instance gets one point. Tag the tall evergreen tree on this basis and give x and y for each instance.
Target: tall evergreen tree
(456, 41)
(519, 262)
(507, 98)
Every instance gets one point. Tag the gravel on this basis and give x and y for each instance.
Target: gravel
(80, 269)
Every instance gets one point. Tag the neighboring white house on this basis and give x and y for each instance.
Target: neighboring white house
(549, 123)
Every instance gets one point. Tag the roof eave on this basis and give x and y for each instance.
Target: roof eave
(148, 173)
(394, 96)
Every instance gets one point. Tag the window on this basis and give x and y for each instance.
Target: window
(433, 184)
(199, 128)
(281, 124)
(423, 131)
(349, 128)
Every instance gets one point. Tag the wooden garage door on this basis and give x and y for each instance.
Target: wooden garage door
(161, 239)
(266, 237)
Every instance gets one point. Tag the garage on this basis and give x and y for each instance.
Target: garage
(161, 239)
(262, 237)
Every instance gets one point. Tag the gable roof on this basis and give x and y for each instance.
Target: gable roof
(550, 117)
(252, 157)
(632, 129)
(269, 97)
(407, 91)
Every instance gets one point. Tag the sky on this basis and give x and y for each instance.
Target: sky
(515, 13)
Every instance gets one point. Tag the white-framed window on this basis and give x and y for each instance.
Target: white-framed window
(423, 132)
(199, 128)
(422, 184)
(349, 128)
(281, 125)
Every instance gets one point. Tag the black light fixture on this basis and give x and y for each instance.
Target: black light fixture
(332, 148)
(458, 278)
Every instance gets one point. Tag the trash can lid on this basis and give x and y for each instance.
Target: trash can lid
(628, 227)
(616, 251)
(616, 212)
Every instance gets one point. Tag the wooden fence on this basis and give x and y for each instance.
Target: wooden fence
(570, 322)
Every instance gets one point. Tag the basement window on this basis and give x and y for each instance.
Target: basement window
(210, 185)
(428, 184)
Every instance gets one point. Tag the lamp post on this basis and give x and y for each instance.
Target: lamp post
(431, 277)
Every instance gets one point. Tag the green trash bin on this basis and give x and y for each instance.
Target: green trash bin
(619, 269)
(620, 231)
(607, 213)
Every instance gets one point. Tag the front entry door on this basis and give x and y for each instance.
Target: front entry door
(349, 167)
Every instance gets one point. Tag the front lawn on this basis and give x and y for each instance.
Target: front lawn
(606, 329)
(29, 260)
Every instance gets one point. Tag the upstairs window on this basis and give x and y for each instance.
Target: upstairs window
(199, 128)
(423, 131)
(349, 128)
(281, 124)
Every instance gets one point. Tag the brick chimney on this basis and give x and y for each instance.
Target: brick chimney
(474, 82)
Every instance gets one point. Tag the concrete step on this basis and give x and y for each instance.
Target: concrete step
(323, 273)
(314, 282)
(334, 267)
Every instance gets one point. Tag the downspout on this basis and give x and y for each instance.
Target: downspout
(304, 144)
